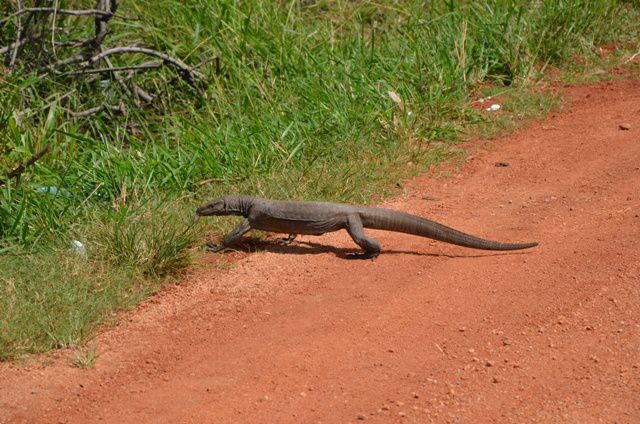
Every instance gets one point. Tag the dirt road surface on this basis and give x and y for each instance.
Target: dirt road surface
(428, 332)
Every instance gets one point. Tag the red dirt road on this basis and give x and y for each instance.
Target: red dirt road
(428, 332)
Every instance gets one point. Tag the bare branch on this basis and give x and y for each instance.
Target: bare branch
(88, 57)
(14, 53)
(215, 59)
(101, 24)
(141, 93)
(142, 66)
(72, 43)
(92, 111)
(188, 74)
(18, 170)
(4, 50)
(118, 78)
(63, 62)
(79, 12)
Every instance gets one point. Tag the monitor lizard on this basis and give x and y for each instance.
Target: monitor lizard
(316, 218)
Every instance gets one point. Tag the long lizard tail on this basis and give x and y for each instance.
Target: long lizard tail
(386, 219)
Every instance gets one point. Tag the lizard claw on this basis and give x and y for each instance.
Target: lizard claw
(288, 240)
(214, 248)
(365, 255)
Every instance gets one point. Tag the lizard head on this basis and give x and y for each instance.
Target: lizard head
(214, 207)
(228, 205)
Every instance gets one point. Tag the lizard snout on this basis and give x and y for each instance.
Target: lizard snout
(206, 210)
(203, 211)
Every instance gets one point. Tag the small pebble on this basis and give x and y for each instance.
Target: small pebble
(502, 164)
(361, 417)
(489, 363)
(625, 126)
(506, 341)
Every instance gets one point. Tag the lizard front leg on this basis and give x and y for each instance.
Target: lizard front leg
(230, 238)
(289, 239)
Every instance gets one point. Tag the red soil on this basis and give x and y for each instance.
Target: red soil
(428, 332)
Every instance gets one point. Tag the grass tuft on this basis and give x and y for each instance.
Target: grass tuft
(85, 358)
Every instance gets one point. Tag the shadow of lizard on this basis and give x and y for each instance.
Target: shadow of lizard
(300, 247)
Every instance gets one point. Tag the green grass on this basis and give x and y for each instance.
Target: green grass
(299, 109)
(55, 299)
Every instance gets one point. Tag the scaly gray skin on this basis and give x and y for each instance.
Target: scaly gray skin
(317, 218)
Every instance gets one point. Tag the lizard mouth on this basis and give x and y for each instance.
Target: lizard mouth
(203, 211)
(207, 210)
(215, 207)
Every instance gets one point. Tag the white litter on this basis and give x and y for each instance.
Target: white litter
(79, 249)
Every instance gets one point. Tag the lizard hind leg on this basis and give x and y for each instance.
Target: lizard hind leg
(356, 231)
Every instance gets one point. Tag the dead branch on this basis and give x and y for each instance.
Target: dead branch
(89, 57)
(215, 59)
(141, 93)
(187, 73)
(101, 24)
(18, 170)
(78, 12)
(92, 111)
(14, 53)
(142, 67)
(68, 61)
(24, 40)
(126, 89)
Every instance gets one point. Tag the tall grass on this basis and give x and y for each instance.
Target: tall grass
(300, 108)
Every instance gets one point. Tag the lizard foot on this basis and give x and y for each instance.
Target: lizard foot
(214, 248)
(365, 255)
(286, 241)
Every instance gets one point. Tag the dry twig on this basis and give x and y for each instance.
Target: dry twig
(79, 12)
(190, 75)
(14, 53)
(18, 170)
(84, 57)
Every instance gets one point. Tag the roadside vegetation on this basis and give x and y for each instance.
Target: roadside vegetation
(332, 100)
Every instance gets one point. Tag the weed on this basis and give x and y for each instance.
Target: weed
(85, 358)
